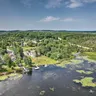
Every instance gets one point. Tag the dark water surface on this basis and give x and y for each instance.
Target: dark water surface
(61, 79)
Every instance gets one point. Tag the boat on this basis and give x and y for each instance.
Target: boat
(45, 66)
(37, 68)
(91, 91)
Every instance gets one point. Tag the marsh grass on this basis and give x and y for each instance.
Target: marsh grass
(86, 82)
(90, 55)
(42, 93)
(52, 89)
(15, 75)
(84, 72)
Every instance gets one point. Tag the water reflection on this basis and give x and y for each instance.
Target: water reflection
(50, 77)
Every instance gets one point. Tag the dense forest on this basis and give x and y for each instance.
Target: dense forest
(20, 48)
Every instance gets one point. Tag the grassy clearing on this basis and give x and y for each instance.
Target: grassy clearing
(86, 82)
(43, 60)
(84, 72)
(90, 55)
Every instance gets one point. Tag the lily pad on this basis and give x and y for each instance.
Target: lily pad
(52, 89)
(42, 93)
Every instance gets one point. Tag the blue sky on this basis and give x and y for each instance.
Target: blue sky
(48, 14)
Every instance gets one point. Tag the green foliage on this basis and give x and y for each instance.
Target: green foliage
(55, 45)
(2, 51)
(7, 60)
(28, 61)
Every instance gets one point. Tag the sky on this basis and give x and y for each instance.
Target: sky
(48, 15)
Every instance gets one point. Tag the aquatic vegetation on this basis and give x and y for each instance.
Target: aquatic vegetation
(89, 60)
(15, 75)
(86, 82)
(4, 77)
(76, 81)
(52, 89)
(76, 61)
(63, 64)
(42, 93)
(12, 74)
(84, 72)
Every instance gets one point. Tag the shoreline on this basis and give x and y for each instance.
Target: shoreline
(11, 76)
(62, 64)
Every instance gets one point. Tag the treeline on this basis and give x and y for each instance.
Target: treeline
(56, 45)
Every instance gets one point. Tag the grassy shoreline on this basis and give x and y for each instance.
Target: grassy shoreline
(90, 56)
(44, 60)
(14, 75)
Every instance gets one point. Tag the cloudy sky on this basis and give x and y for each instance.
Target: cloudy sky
(48, 14)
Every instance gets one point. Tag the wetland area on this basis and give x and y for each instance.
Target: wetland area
(53, 81)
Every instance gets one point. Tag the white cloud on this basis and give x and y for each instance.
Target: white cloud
(53, 3)
(78, 3)
(49, 19)
(74, 4)
(68, 20)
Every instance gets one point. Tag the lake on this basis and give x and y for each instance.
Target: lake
(51, 81)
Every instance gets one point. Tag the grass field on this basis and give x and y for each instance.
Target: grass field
(90, 55)
(43, 60)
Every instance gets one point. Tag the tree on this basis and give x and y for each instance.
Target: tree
(21, 52)
(28, 61)
(8, 60)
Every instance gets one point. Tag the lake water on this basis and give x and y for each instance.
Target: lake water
(60, 79)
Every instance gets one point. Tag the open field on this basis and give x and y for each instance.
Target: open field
(42, 60)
